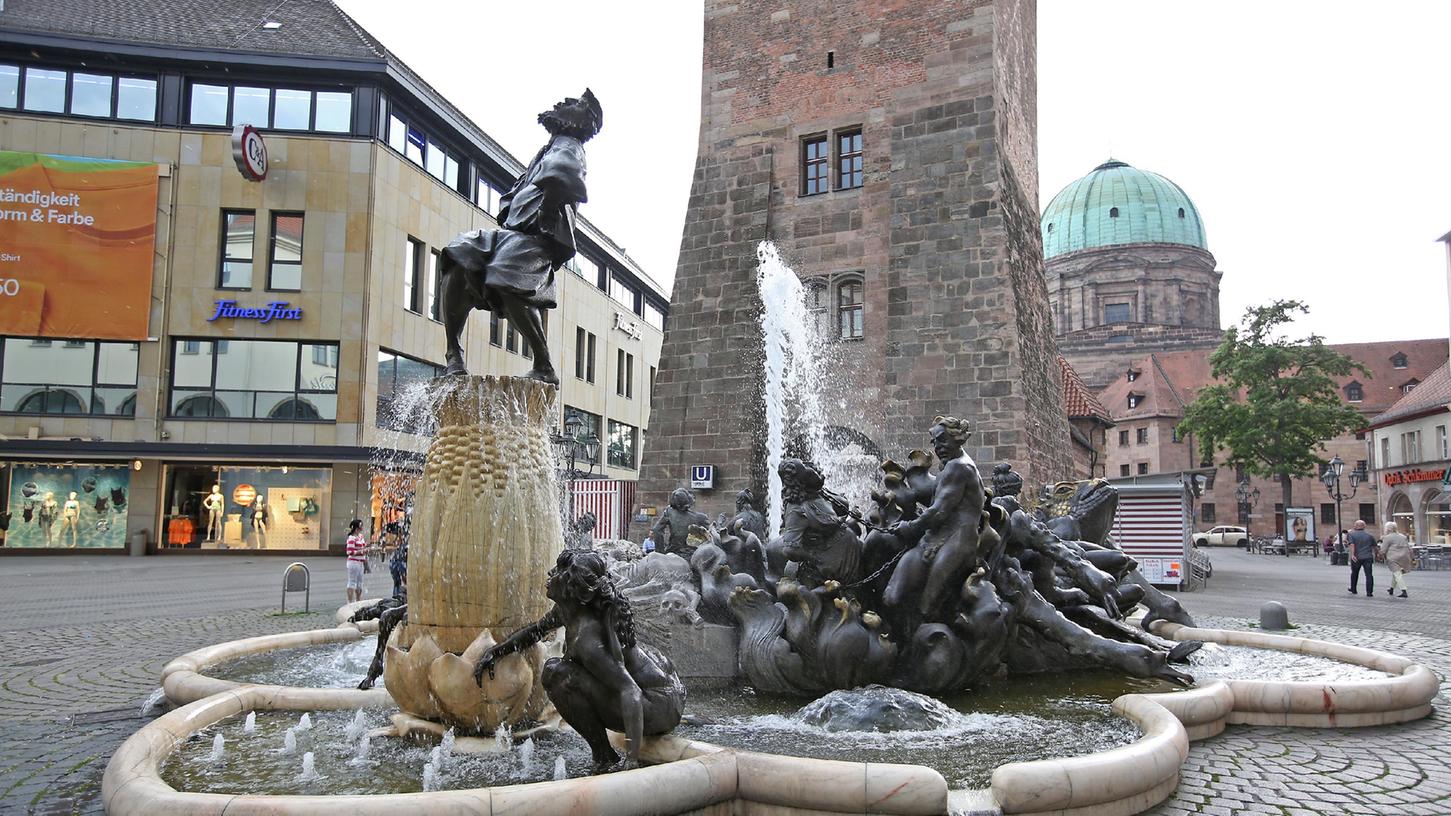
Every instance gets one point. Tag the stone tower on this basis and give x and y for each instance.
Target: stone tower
(1129, 271)
(889, 148)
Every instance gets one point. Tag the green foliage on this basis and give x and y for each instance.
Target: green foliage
(1276, 400)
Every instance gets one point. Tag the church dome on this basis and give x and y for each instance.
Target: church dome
(1118, 204)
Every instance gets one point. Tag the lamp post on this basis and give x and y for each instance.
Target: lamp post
(1331, 479)
(1247, 497)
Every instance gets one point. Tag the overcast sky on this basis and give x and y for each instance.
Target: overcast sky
(1312, 135)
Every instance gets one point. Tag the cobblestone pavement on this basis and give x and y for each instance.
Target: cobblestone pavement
(84, 640)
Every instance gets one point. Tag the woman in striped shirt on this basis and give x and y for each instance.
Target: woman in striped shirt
(357, 559)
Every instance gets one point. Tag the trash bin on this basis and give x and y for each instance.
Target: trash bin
(138, 543)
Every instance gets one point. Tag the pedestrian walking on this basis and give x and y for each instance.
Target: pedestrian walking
(1362, 557)
(1395, 548)
(357, 560)
(649, 544)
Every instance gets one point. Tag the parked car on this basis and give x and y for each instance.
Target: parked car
(1223, 536)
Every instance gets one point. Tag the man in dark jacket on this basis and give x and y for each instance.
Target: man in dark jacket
(1362, 557)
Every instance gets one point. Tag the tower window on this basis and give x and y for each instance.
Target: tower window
(1113, 212)
(815, 166)
(849, 159)
(1398, 360)
(1116, 313)
(849, 309)
(830, 60)
(1050, 229)
(1181, 212)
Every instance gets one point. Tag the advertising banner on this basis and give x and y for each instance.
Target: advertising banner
(77, 240)
(1300, 526)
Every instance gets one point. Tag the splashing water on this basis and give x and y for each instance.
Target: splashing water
(309, 768)
(526, 757)
(435, 758)
(219, 748)
(503, 740)
(795, 369)
(430, 777)
(560, 772)
(445, 748)
(289, 741)
(361, 757)
(304, 723)
(356, 726)
(250, 727)
(152, 701)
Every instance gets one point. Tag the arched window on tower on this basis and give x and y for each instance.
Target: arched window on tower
(850, 308)
(1181, 212)
(1113, 212)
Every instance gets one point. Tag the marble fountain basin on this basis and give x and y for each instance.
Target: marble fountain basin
(1132, 737)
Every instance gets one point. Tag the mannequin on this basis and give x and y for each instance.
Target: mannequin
(70, 518)
(214, 505)
(259, 523)
(49, 510)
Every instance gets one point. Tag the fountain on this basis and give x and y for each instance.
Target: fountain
(219, 749)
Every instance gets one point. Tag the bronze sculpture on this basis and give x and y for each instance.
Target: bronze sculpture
(678, 518)
(510, 270)
(606, 679)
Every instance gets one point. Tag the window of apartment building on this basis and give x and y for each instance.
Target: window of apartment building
(433, 287)
(1398, 360)
(252, 379)
(654, 316)
(511, 338)
(589, 426)
(1123, 439)
(589, 358)
(584, 355)
(1385, 451)
(284, 270)
(622, 292)
(1115, 313)
(412, 263)
(815, 165)
(1141, 436)
(496, 332)
(579, 341)
(1409, 386)
(78, 93)
(1123, 470)
(1411, 447)
(1143, 468)
(1131, 375)
(397, 374)
(624, 374)
(487, 197)
(270, 108)
(424, 150)
(1442, 452)
(1354, 392)
(235, 266)
(1135, 400)
(622, 445)
(850, 309)
(848, 159)
(1327, 513)
(1207, 513)
(75, 377)
(1367, 512)
(1363, 467)
(650, 394)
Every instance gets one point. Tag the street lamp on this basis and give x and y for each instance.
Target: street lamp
(1331, 479)
(1247, 498)
(574, 444)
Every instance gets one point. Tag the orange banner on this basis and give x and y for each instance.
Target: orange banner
(77, 241)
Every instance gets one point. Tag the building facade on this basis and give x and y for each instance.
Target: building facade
(284, 319)
(891, 154)
(1411, 452)
(1129, 271)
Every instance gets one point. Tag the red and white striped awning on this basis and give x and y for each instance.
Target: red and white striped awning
(1151, 525)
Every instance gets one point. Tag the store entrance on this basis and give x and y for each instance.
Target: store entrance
(252, 507)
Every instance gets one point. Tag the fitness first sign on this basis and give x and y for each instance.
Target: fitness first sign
(77, 246)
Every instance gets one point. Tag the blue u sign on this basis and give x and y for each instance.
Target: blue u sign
(702, 476)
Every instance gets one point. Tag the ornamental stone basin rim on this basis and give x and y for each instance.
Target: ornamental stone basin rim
(691, 775)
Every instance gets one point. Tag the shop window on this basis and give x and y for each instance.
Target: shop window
(44, 514)
(1116, 313)
(1207, 513)
(255, 379)
(433, 288)
(849, 160)
(263, 107)
(589, 428)
(815, 161)
(76, 377)
(850, 309)
(273, 507)
(622, 293)
(401, 381)
(238, 229)
(412, 263)
(284, 272)
(1327, 513)
(622, 445)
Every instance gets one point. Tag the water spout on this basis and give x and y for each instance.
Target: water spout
(309, 769)
(445, 748)
(503, 740)
(304, 723)
(526, 757)
(219, 747)
(152, 701)
(560, 772)
(250, 726)
(361, 757)
(356, 726)
(289, 741)
(430, 777)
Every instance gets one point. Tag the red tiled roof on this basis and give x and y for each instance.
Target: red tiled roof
(1432, 394)
(1079, 401)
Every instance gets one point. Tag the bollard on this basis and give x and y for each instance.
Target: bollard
(297, 578)
(1273, 615)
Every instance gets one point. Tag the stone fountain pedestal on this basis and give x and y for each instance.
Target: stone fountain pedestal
(484, 534)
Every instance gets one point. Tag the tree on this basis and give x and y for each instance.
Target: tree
(1275, 401)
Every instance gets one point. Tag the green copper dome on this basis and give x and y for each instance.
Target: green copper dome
(1118, 204)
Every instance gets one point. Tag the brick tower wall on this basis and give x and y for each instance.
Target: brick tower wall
(944, 233)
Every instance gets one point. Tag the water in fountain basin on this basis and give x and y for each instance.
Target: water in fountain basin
(435, 758)
(561, 771)
(356, 726)
(503, 740)
(289, 741)
(309, 768)
(219, 748)
(526, 757)
(251, 724)
(304, 723)
(445, 747)
(361, 757)
(430, 776)
(332, 665)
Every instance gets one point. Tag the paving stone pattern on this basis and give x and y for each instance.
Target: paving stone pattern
(84, 640)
